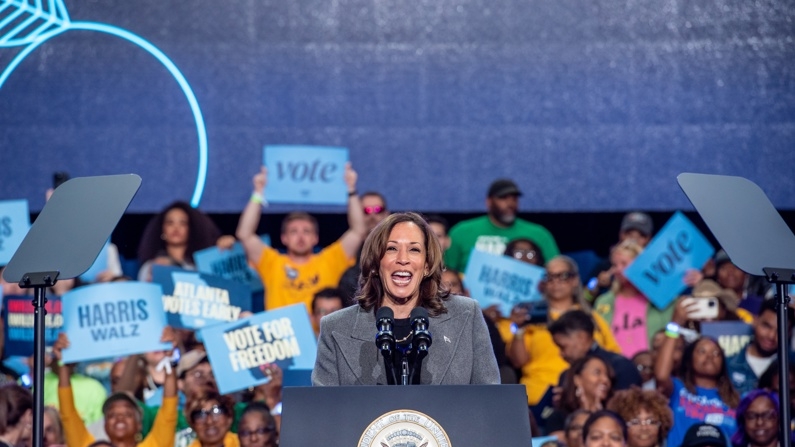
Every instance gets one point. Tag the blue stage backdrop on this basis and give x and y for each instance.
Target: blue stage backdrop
(590, 105)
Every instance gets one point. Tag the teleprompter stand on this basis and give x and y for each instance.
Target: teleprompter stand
(62, 243)
(759, 242)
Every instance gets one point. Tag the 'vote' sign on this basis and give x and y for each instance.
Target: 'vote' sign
(306, 174)
(14, 225)
(659, 271)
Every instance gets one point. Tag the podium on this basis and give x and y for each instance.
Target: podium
(429, 415)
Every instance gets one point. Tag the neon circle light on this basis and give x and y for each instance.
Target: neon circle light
(36, 21)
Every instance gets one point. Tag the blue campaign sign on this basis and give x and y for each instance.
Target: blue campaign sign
(14, 225)
(306, 174)
(113, 319)
(732, 336)
(545, 441)
(229, 264)
(494, 279)
(18, 318)
(659, 271)
(99, 265)
(236, 350)
(193, 300)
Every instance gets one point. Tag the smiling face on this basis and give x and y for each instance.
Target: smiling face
(643, 430)
(594, 380)
(211, 422)
(122, 421)
(403, 265)
(176, 227)
(761, 421)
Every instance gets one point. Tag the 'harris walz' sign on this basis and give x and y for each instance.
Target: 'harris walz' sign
(113, 319)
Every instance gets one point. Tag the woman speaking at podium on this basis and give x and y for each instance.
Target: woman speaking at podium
(401, 270)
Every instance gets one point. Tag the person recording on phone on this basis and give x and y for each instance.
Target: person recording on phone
(708, 302)
(401, 302)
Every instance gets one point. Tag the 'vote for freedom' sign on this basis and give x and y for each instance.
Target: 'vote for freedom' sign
(236, 350)
(14, 225)
(113, 319)
(306, 174)
(493, 279)
(18, 316)
(194, 300)
(660, 269)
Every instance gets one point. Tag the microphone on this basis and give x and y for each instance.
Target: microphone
(419, 323)
(385, 340)
(384, 320)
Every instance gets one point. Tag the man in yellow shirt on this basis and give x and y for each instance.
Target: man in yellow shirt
(296, 276)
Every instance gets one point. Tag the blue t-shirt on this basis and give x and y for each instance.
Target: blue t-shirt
(704, 406)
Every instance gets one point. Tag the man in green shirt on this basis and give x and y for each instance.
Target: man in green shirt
(492, 232)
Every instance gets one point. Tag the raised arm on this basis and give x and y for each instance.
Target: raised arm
(664, 363)
(352, 239)
(249, 221)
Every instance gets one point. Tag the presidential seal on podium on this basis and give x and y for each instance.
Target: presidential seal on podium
(404, 428)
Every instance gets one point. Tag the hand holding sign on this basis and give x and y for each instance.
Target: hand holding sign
(307, 174)
(659, 271)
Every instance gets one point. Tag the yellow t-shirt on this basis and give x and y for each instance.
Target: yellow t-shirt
(546, 365)
(287, 283)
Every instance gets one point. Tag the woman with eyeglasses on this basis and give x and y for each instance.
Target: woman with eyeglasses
(757, 420)
(647, 416)
(531, 348)
(604, 429)
(123, 415)
(704, 393)
(632, 318)
(210, 415)
(257, 427)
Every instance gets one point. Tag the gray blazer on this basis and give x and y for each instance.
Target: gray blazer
(461, 351)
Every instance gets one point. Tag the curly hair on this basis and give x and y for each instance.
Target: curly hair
(569, 401)
(726, 390)
(202, 233)
(371, 287)
(628, 403)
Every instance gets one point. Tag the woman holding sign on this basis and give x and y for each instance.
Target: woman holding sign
(123, 416)
(401, 270)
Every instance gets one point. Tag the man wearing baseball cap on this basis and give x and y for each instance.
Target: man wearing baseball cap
(492, 232)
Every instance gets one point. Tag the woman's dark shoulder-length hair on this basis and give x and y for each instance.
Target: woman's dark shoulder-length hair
(569, 401)
(202, 233)
(371, 289)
